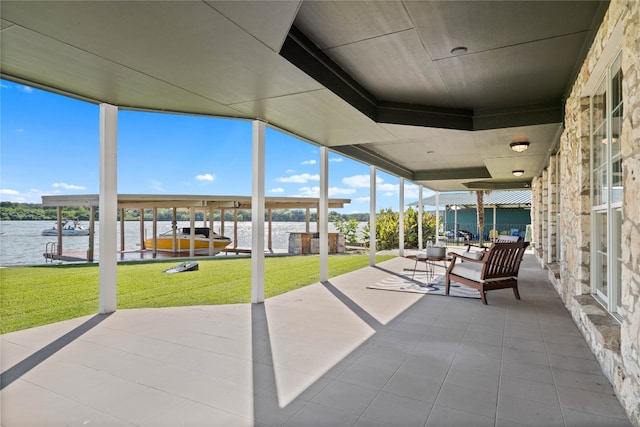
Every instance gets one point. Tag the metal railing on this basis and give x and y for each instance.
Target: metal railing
(50, 250)
(468, 232)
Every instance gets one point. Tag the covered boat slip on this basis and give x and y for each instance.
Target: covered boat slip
(204, 203)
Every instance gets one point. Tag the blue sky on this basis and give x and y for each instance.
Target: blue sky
(50, 145)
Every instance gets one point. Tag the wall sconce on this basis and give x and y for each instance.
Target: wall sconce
(614, 139)
(518, 172)
(519, 146)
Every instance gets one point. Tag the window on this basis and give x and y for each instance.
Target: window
(607, 188)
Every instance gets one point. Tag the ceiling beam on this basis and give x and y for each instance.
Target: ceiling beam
(305, 55)
(424, 115)
(369, 157)
(446, 174)
(527, 115)
(503, 185)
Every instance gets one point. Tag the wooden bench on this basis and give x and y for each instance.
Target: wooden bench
(497, 269)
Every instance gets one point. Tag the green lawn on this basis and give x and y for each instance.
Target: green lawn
(34, 296)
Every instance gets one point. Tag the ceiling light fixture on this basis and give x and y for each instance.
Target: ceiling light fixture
(518, 172)
(519, 146)
(614, 139)
(459, 50)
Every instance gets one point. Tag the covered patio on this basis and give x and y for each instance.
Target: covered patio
(451, 96)
(333, 353)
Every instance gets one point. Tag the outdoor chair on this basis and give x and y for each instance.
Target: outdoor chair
(508, 239)
(482, 250)
(497, 269)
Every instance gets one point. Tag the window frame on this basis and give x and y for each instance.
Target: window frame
(605, 259)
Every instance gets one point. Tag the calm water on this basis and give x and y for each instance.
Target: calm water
(21, 242)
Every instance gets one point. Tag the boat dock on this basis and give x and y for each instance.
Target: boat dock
(204, 203)
(147, 254)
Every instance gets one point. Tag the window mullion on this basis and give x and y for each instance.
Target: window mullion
(611, 252)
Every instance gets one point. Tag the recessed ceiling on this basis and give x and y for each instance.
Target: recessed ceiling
(375, 81)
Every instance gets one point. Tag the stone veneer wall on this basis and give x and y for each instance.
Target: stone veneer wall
(536, 216)
(552, 176)
(615, 345)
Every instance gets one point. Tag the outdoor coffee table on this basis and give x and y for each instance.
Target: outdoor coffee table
(430, 264)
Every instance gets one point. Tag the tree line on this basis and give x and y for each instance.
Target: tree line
(11, 211)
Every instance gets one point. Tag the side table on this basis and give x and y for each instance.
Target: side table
(430, 264)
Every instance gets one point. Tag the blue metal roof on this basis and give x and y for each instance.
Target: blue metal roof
(511, 198)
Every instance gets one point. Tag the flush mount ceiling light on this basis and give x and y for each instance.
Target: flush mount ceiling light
(518, 172)
(519, 146)
(459, 50)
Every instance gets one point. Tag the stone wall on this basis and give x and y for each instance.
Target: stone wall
(309, 243)
(536, 215)
(552, 211)
(615, 343)
(628, 378)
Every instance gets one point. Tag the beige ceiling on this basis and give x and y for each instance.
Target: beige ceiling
(373, 80)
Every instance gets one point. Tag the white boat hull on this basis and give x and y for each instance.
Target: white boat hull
(74, 232)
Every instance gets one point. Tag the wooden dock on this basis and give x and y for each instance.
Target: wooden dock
(147, 254)
(67, 258)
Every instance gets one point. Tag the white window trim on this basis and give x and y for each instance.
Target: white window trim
(609, 301)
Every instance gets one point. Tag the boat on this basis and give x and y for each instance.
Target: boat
(164, 242)
(69, 228)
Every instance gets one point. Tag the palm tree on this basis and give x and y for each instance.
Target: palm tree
(480, 211)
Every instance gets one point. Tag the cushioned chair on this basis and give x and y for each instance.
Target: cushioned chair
(497, 269)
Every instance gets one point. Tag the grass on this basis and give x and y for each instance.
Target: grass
(35, 296)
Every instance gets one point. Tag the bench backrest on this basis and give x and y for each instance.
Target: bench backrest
(503, 260)
(507, 239)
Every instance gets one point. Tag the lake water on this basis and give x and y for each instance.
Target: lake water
(21, 242)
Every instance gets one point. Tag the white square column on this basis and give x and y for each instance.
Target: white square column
(108, 206)
(323, 214)
(401, 219)
(372, 215)
(257, 212)
(437, 237)
(420, 214)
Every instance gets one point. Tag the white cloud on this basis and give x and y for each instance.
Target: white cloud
(359, 181)
(15, 196)
(25, 89)
(315, 191)
(389, 188)
(309, 192)
(411, 191)
(299, 179)
(290, 171)
(335, 191)
(66, 186)
(157, 185)
(363, 199)
(356, 181)
(308, 162)
(277, 190)
(205, 177)
(335, 159)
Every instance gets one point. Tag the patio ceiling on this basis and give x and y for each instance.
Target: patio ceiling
(373, 80)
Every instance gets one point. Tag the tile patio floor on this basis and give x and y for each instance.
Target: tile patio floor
(332, 354)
